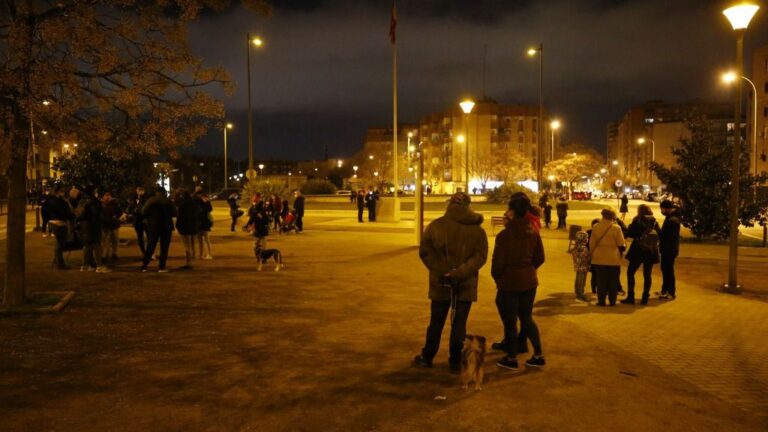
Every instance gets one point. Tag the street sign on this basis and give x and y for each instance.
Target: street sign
(618, 183)
(251, 174)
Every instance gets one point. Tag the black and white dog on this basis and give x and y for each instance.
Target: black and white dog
(263, 255)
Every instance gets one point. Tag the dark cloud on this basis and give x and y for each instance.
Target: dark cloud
(325, 72)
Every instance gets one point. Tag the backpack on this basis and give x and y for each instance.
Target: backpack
(649, 241)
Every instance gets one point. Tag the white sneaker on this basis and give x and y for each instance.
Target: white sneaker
(87, 268)
(103, 269)
(163, 271)
(208, 257)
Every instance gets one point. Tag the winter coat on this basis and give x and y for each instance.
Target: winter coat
(516, 256)
(606, 244)
(360, 201)
(669, 236)
(624, 208)
(562, 209)
(635, 231)
(111, 213)
(59, 209)
(298, 205)
(454, 243)
(206, 219)
(189, 216)
(258, 219)
(582, 259)
(88, 215)
(135, 209)
(547, 213)
(370, 201)
(158, 214)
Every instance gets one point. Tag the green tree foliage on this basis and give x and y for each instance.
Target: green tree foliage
(266, 188)
(503, 193)
(107, 171)
(318, 187)
(573, 166)
(700, 182)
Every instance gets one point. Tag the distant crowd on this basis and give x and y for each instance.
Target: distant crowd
(83, 219)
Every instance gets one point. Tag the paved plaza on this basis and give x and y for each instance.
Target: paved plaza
(326, 344)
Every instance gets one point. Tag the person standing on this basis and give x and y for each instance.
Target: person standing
(234, 209)
(45, 212)
(547, 214)
(562, 212)
(669, 247)
(453, 248)
(298, 207)
(370, 202)
(206, 223)
(581, 263)
(60, 214)
(607, 244)
(89, 220)
(278, 211)
(624, 208)
(158, 214)
(360, 198)
(187, 224)
(135, 207)
(517, 255)
(111, 213)
(644, 251)
(258, 224)
(284, 212)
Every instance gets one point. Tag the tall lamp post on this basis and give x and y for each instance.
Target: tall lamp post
(539, 146)
(739, 17)
(731, 77)
(256, 42)
(642, 141)
(466, 107)
(554, 125)
(226, 178)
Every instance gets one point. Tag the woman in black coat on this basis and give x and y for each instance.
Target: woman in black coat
(187, 224)
(206, 224)
(644, 251)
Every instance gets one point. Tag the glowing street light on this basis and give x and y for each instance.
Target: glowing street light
(261, 168)
(466, 106)
(460, 138)
(731, 77)
(615, 163)
(554, 125)
(258, 43)
(227, 127)
(533, 52)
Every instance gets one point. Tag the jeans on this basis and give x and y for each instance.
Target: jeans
(439, 311)
(92, 255)
(110, 239)
(668, 275)
(189, 247)
(165, 242)
(514, 305)
(607, 283)
(60, 232)
(141, 231)
(647, 279)
(578, 285)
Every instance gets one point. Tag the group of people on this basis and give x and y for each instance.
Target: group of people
(367, 200)
(276, 211)
(545, 209)
(601, 249)
(453, 248)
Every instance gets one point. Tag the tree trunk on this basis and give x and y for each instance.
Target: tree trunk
(15, 284)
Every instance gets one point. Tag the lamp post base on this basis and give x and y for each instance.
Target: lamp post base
(729, 290)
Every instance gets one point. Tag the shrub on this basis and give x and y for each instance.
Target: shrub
(318, 187)
(503, 193)
(266, 188)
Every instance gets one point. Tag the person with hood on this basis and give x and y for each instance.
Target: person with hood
(644, 251)
(581, 263)
(562, 212)
(453, 248)
(360, 199)
(206, 223)
(669, 246)
(158, 214)
(60, 214)
(607, 244)
(517, 255)
(187, 224)
(110, 226)
(88, 215)
(135, 207)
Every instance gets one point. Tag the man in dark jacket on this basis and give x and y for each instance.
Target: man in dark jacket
(360, 199)
(158, 214)
(135, 206)
(60, 214)
(370, 202)
(669, 246)
(454, 247)
(111, 213)
(562, 213)
(89, 220)
(298, 206)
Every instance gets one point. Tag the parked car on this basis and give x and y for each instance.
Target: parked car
(581, 196)
(224, 193)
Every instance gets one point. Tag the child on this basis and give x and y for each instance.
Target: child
(547, 214)
(581, 263)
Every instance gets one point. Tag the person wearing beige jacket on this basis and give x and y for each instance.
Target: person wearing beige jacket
(607, 245)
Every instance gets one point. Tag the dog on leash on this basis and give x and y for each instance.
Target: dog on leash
(263, 255)
(472, 359)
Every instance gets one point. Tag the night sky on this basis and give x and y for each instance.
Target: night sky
(324, 75)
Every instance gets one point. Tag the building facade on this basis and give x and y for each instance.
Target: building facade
(760, 79)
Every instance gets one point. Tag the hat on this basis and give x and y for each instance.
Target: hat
(460, 198)
(666, 204)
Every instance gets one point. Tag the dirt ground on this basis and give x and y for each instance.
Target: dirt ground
(323, 345)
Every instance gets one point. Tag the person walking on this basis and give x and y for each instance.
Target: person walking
(644, 251)
(158, 214)
(60, 214)
(135, 207)
(517, 255)
(89, 221)
(298, 207)
(581, 264)
(360, 199)
(234, 209)
(624, 208)
(111, 213)
(453, 248)
(606, 245)
(187, 224)
(669, 247)
(562, 212)
(206, 223)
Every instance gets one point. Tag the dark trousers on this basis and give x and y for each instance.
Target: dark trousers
(276, 221)
(300, 222)
(647, 278)
(371, 214)
(440, 311)
(60, 232)
(607, 282)
(359, 214)
(234, 223)
(668, 275)
(141, 231)
(514, 305)
(165, 242)
(561, 222)
(593, 279)
(45, 227)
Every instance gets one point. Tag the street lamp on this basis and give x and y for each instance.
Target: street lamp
(730, 78)
(261, 168)
(739, 17)
(257, 42)
(641, 141)
(226, 127)
(354, 168)
(532, 52)
(466, 107)
(553, 126)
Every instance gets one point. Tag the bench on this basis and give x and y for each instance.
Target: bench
(496, 221)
